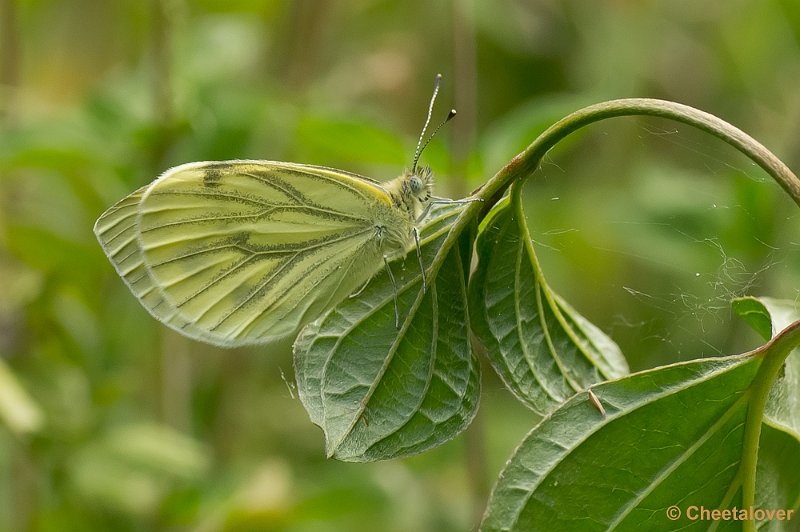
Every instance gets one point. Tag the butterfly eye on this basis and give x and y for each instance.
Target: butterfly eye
(415, 184)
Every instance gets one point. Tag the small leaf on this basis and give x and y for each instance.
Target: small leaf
(766, 315)
(673, 436)
(540, 346)
(378, 392)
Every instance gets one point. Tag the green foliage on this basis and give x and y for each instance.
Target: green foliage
(543, 349)
(626, 468)
(109, 422)
(651, 470)
(770, 316)
(380, 392)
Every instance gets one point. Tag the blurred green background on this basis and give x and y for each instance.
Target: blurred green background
(109, 421)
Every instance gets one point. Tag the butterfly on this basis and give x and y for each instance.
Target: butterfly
(246, 251)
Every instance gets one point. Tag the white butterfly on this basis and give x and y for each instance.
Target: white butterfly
(243, 252)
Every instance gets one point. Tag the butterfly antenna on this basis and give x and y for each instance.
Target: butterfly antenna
(420, 145)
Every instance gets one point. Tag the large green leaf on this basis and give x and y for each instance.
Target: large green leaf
(683, 435)
(541, 347)
(379, 391)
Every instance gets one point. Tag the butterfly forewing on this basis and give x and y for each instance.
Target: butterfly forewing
(246, 251)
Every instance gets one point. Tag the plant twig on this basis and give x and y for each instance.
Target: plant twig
(524, 164)
(527, 161)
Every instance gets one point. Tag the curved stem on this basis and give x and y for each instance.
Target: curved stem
(527, 161)
(524, 164)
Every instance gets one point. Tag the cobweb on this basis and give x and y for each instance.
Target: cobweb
(653, 250)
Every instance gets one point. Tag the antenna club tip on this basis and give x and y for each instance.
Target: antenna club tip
(451, 114)
(438, 76)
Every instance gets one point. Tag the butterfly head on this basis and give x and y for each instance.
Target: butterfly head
(415, 191)
(420, 185)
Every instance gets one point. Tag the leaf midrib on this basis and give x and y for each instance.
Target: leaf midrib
(681, 459)
(392, 349)
(608, 419)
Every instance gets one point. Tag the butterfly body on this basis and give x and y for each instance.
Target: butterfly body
(244, 252)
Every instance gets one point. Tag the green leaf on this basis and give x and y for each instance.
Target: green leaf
(777, 481)
(380, 392)
(680, 435)
(541, 347)
(766, 315)
(769, 316)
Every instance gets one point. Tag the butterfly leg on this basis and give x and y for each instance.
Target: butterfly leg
(415, 232)
(358, 292)
(394, 289)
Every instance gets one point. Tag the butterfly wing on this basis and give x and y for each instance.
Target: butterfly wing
(244, 252)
